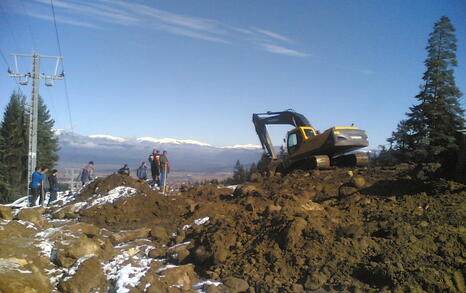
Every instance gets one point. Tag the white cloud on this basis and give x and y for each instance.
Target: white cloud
(282, 50)
(91, 14)
(273, 35)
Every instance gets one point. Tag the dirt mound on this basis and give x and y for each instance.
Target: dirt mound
(327, 230)
(337, 230)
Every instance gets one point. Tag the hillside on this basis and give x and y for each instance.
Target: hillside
(391, 229)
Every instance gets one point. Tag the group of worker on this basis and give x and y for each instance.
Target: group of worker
(159, 166)
(40, 184)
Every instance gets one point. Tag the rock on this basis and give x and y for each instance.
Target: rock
(458, 278)
(297, 288)
(273, 208)
(294, 232)
(350, 173)
(200, 254)
(346, 190)
(183, 276)
(312, 206)
(156, 252)
(30, 280)
(33, 215)
(89, 277)
(68, 212)
(6, 213)
(358, 182)
(159, 234)
(315, 281)
(126, 236)
(67, 252)
(88, 229)
(350, 231)
(247, 189)
(235, 285)
(178, 254)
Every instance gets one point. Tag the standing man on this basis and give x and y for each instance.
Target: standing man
(53, 186)
(164, 168)
(36, 186)
(43, 185)
(141, 172)
(87, 173)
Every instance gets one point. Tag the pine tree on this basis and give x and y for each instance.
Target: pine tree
(14, 154)
(429, 132)
(47, 143)
(252, 169)
(239, 174)
(4, 187)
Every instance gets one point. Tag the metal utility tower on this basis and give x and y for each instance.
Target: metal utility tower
(23, 79)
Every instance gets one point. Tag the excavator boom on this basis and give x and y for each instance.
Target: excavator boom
(261, 120)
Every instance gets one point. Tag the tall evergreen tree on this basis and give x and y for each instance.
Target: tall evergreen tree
(429, 131)
(4, 186)
(14, 154)
(47, 143)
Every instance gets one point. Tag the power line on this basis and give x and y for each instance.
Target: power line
(63, 67)
(34, 47)
(4, 58)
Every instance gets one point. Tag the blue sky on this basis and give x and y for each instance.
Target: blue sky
(199, 69)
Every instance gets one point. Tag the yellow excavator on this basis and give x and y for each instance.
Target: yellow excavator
(307, 148)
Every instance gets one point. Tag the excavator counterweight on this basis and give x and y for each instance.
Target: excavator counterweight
(308, 148)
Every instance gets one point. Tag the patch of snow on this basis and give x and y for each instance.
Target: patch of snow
(171, 140)
(196, 222)
(179, 244)
(6, 265)
(169, 266)
(199, 286)
(127, 268)
(28, 225)
(112, 196)
(106, 136)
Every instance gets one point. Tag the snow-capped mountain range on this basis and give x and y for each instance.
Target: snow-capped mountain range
(186, 155)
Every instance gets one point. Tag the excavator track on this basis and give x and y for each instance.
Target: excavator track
(351, 160)
(320, 162)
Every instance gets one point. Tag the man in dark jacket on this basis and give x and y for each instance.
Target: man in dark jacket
(36, 186)
(154, 160)
(142, 171)
(53, 186)
(164, 167)
(124, 170)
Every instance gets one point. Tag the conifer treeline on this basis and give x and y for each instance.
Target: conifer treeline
(428, 134)
(14, 146)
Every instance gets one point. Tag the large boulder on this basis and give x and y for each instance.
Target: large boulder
(183, 276)
(86, 276)
(6, 213)
(160, 234)
(235, 285)
(33, 215)
(18, 275)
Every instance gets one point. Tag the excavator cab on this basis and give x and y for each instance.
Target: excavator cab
(297, 136)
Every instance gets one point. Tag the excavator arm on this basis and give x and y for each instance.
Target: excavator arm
(261, 120)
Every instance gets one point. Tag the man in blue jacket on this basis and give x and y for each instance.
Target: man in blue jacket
(36, 186)
(142, 171)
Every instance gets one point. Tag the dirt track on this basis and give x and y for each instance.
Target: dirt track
(374, 229)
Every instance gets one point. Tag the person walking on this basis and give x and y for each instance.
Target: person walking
(141, 172)
(164, 168)
(87, 173)
(124, 170)
(36, 186)
(53, 186)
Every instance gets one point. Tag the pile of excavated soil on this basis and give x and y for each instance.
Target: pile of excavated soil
(377, 229)
(344, 230)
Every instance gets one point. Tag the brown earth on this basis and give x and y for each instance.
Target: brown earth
(352, 230)
(369, 229)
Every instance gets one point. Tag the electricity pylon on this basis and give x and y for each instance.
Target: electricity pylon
(23, 79)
